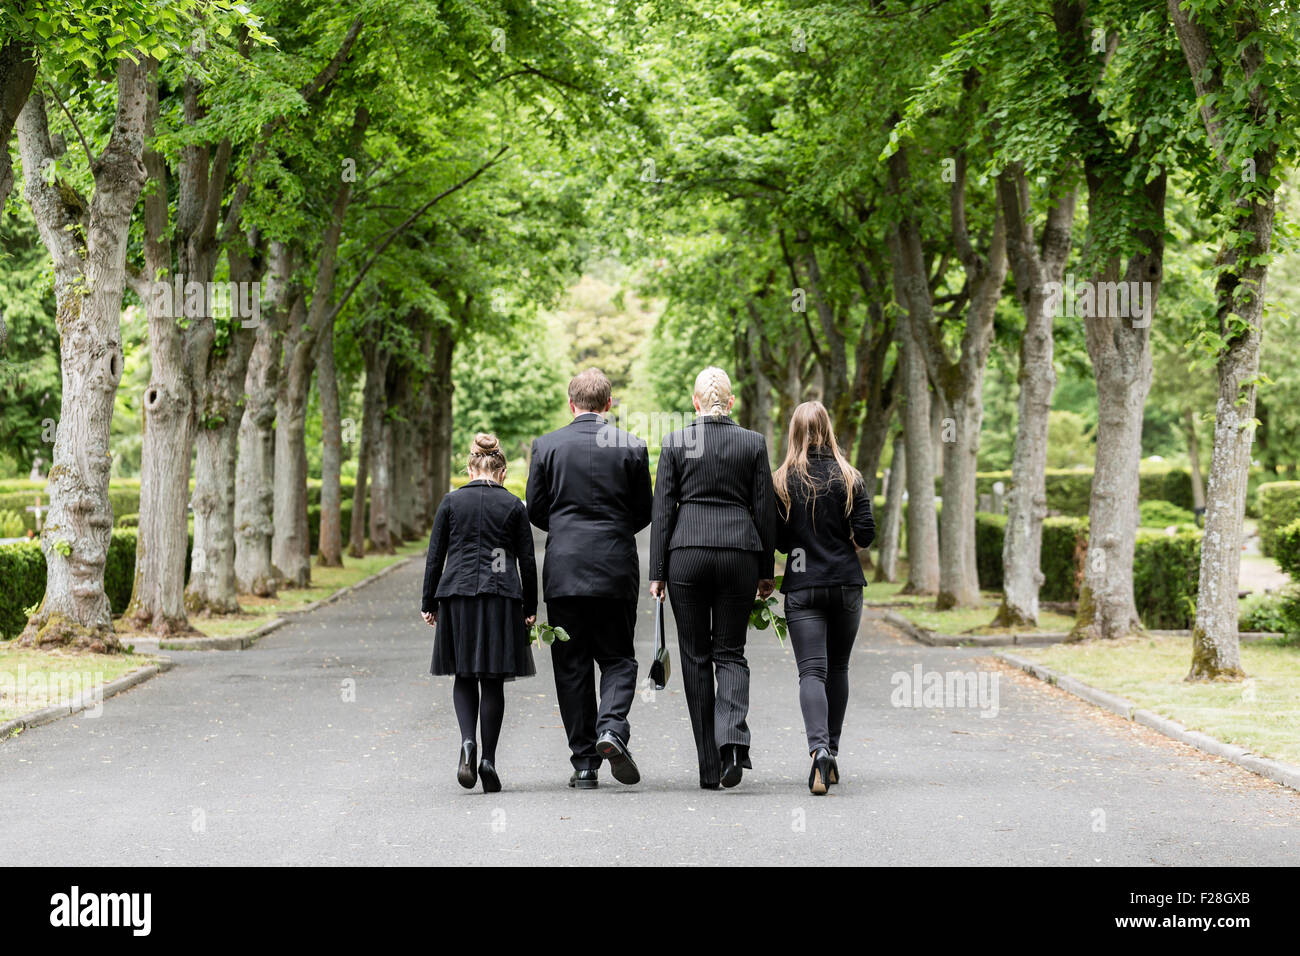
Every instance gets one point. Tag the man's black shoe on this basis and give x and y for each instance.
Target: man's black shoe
(621, 764)
(584, 780)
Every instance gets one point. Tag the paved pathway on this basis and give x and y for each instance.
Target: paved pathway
(255, 757)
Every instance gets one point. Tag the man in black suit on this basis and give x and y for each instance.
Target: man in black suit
(589, 489)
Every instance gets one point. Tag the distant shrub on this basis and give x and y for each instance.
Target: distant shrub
(1279, 505)
(1163, 514)
(11, 525)
(1276, 613)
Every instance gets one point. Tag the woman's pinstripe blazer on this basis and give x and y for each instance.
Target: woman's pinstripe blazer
(713, 489)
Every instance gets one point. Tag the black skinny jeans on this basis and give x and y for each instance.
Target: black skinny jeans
(823, 624)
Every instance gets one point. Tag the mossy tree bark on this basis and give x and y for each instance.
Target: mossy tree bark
(89, 280)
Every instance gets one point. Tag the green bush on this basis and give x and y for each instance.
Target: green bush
(22, 569)
(1279, 505)
(1062, 539)
(11, 525)
(1064, 542)
(1286, 549)
(1163, 514)
(1276, 613)
(1166, 572)
(127, 521)
(990, 529)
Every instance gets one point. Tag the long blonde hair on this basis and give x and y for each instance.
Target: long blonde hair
(810, 425)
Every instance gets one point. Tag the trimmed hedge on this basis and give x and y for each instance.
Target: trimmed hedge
(1166, 567)
(1063, 540)
(313, 523)
(22, 568)
(1069, 491)
(1166, 573)
(1279, 505)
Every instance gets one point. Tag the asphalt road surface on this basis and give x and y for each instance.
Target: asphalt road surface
(329, 743)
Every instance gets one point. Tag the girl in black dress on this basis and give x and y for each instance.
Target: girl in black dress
(480, 592)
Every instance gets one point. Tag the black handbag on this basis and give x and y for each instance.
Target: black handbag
(661, 667)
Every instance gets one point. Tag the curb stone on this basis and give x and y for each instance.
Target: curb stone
(1279, 772)
(932, 639)
(242, 642)
(78, 704)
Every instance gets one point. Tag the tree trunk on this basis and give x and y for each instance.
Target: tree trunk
(212, 588)
(922, 522)
(381, 483)
(288, 547)
(376, 362)
(1122, 367)
(959, 584)
(1194, 461)
(892, 519)
(1239, 293)
(289, 499)
(89, 279)
(331, 495)
(1027, 501)
(444, 347)
(255, 468)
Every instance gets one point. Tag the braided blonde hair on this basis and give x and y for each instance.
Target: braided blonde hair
(713, 389)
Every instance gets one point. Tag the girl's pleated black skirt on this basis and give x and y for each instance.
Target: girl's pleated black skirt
(482, 636)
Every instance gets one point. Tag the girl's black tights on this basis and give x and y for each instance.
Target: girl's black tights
(480, 702)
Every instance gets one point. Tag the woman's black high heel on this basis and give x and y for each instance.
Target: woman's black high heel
(467, 772)
(819, 776)
(488, 774)
(835, 769)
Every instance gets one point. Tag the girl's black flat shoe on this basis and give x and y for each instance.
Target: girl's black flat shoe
(467, 771)
(819, 776)
(488, 774)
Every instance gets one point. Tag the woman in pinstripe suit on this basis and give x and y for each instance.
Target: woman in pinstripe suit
(711, 541)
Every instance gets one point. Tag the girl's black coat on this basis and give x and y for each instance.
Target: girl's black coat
(482, 534)
(819, 541)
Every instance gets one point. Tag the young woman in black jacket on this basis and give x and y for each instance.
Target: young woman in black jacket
(824, 520)
(480, 592)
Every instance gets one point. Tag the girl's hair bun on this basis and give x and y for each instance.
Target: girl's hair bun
(485, 444)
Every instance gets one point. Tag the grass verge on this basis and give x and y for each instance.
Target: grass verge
(1261, 713)
(31, 680)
